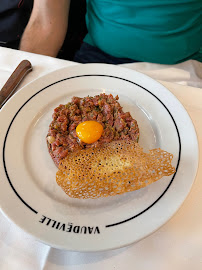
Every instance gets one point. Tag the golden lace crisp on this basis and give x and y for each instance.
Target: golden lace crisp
(115, 168)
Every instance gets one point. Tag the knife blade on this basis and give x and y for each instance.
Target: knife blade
(14, 80)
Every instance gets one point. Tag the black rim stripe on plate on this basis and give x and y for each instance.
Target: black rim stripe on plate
(91, 75)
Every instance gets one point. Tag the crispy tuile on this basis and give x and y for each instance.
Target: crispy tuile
(115, 168)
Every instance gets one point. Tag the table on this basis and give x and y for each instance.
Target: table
(176, 245)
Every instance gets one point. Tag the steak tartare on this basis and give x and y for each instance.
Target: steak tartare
(105, 109)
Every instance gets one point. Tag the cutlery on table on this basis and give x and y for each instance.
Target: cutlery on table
(14, 80)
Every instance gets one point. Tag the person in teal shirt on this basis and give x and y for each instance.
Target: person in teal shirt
(160, 31)
(157, 31)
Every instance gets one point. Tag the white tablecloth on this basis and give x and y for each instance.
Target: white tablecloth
(177, 245)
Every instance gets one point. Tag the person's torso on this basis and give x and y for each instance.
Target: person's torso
(161, 31)
(14, 15)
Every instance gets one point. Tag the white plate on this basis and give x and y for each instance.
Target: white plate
(29, 195)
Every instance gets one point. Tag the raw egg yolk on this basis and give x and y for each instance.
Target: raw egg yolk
(89, 131)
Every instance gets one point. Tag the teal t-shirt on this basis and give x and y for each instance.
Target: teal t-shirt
(158, 31)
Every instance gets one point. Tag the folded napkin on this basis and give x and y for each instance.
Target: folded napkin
(187, 73)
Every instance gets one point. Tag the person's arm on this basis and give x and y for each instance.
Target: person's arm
(47, 27)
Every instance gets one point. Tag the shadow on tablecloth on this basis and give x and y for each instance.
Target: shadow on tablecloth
(63, 257)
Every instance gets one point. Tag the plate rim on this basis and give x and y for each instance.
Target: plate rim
(61, 70)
